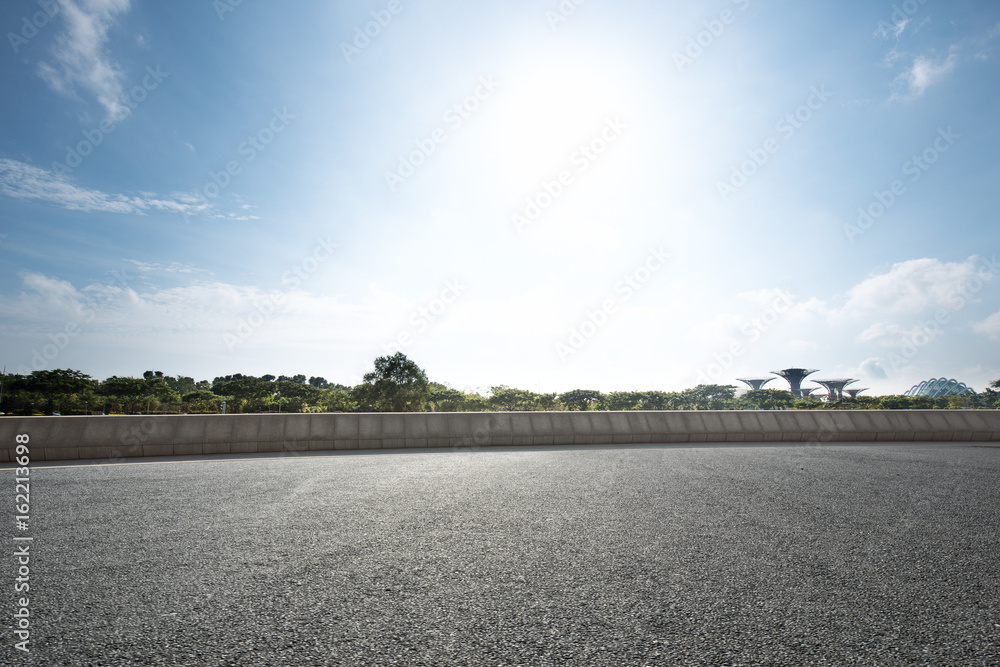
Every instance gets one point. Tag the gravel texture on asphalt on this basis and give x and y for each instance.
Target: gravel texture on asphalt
(763, 555)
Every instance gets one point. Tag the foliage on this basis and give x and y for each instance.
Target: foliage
(55, 384)
(337, 400)
(708, 397)
(396, 385)
(445, 399)
(128, 392)
(244, 387)
(765, 399)
(505, 399)
(580, 399)
(622, 400)
(295, 397)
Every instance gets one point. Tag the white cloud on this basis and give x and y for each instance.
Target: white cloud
(80, 57)
(990, 327)
(748, 315)
(912, 287)
(156, 267)
(895, 336)
(201, 313)
(873, 368)
(894, 30)
(923, 74)
(25, 181)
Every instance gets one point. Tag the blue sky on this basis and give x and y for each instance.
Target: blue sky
(546, 195)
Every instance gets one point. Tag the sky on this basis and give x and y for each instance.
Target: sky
(546, 195)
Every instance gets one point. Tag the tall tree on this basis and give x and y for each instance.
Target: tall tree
(337, 400)
(396, 385)
(294, 397)
(129, 392)
(250, 391)
(181, 384)
(57, 384)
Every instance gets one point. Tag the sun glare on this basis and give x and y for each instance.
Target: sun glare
(546, 115)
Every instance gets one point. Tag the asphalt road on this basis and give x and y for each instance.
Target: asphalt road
(796, 555)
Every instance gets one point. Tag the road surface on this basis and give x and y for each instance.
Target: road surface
(644, 555)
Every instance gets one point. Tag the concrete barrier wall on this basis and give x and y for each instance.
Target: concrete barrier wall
(113, 437)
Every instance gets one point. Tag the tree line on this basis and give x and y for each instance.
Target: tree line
(396, 384)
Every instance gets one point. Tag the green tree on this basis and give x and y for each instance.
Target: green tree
(200, 400)
(396, 385)
(56, 386)
(445, 399)
(336, 400)
(474, 402)
(547, 401)
(622, 400)
(660, 400)
(765, 399)
(580, 399)
(251, 393)
(158, 389)
(867, 402)
(896, 402)
(129, 392)
(506, 399)
(294, 397)
(182, 385)
(709, 397)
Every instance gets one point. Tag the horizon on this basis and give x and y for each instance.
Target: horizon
(485, 390)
